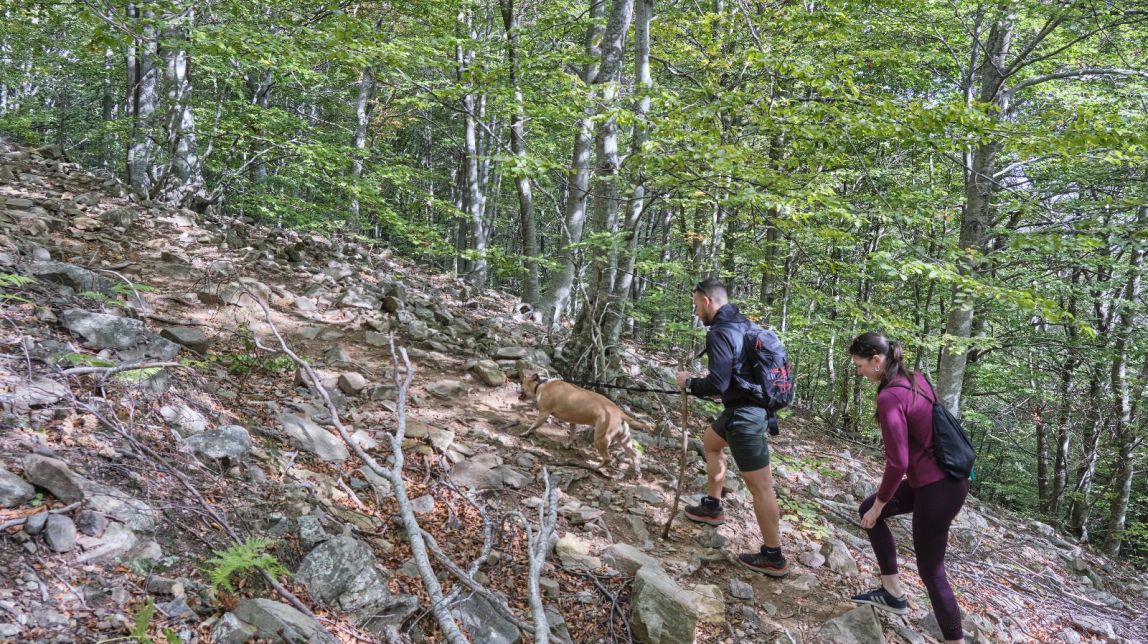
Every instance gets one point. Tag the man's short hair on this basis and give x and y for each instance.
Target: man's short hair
(712, 288)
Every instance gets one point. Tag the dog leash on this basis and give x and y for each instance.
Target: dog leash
(602, 385)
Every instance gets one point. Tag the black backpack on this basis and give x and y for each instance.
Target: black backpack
(951, 446)
(771, 381)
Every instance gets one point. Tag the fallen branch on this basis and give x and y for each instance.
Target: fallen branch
(468, 581)
(111, 371)
(22, 520)
(537, 547)
(393, 474)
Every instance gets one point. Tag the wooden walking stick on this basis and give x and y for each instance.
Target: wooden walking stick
(682, 464)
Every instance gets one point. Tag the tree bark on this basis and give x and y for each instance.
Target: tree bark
(977, 215)
(185, 180)
(474, 197)
(527, 223)
(359, 137)
(593, 355)
(557, 298)
(141, 153)
(1081, 508)
(636, 206)
(1126, 436)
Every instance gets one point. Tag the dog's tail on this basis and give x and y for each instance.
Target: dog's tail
(644, 426)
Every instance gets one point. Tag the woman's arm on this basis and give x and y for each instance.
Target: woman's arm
(895, 434)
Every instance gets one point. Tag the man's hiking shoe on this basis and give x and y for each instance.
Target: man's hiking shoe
(883, 600)
(774, 566)
(708, 511)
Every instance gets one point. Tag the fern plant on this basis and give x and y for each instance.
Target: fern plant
(142, 625)
(243, 558)
(11, 280)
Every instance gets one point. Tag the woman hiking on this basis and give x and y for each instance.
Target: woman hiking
(913, 483)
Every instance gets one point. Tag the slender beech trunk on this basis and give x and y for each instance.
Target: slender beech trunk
(185, 180)
(977, 215)
(141, 153)
(1081, 508)
(592, 354)
(1126, 436)
(359, 137)
(474, 198)
(643, 14)
(259, 86)
(527, 224)
(557, 298)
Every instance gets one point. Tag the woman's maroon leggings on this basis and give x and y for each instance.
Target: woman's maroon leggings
(933, 507)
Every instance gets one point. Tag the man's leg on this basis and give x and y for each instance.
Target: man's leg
(760, 484)
(714, 447)
(709, 510)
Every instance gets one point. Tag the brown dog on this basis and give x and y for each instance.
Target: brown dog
(578, 406)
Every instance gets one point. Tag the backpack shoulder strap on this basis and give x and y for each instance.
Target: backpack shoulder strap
(934, 391)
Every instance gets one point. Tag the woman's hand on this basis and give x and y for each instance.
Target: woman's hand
(874, 513)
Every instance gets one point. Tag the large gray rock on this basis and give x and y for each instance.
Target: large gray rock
(858, 626)
(342, 573)
(358, 297)
(188, 336)
(447, 389)
(183, 419)
(839, 558)
(229, 441)
(60, 533)
(116, 541)
(14, 490)
(80, 279)
(489, 373)
(627, 559)
(308, 436)
(282, 623)
(661, 612)
(56, 477)
(130, 338)
(479, 473)
(479, 619)
(231, 630)
(119, 505)
(40, 392)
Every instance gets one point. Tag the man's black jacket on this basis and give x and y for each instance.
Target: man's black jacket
(723, 344)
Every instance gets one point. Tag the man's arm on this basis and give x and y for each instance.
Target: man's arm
(722, 357)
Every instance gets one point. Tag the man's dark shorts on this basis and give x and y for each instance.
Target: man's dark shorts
(744, 429)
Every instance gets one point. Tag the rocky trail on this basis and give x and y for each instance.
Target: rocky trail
(125, 493)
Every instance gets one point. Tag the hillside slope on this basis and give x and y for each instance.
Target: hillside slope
(117, 490)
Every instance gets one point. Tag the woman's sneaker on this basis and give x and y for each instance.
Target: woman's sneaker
(883, 600)
(772, 565)
(708, 511)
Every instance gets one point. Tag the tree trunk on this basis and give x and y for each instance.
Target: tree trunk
(185, 179)
(592, 354)
(977, 216)
(557, 297)
(527, 223)
(359, 138)
(643, 13)
(259, 85)
(1081, 508)
(474, 197)
(141, 153)
(1125, 433)
(107, 107)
